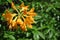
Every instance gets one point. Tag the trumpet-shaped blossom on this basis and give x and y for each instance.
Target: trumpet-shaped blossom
(23, 19)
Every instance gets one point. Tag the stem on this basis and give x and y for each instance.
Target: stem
(18, 12)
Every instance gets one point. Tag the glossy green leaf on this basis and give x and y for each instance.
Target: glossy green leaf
(9, 1)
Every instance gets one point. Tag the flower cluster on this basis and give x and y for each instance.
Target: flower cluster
(23, 18)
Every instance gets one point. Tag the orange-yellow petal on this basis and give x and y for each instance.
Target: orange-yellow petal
(30, 26)
(19, 21)
(23, 27)
(10, 27)
(9, 16)
(22, 5)
(32, 10)
(29, 20)
(13, 6)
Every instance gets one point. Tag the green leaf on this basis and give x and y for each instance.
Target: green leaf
(47, 31)
(24, 39)
(36, 35)
(50, 34)
(55, 38)
(11, 10)
(28, 34)
(48, 9)
(20, 0)
(0, 25)
(6, 35)
(57, 4)
(12, 37)
(41, 35)
(10, 33)
(10, 1)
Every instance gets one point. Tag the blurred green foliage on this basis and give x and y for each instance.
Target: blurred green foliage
(47, 26)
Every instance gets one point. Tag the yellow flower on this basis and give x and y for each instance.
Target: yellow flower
(23, 27)
(31, 12)
(27, 23)
(13, 24)
(13, 6)
(23, 7)
(10, 26)
(23, 18)
(29, 19)
(24, 12)
(19, 21)
(9, 16)
(29, 26)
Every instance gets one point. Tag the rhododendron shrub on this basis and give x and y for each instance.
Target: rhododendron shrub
(29, 20)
